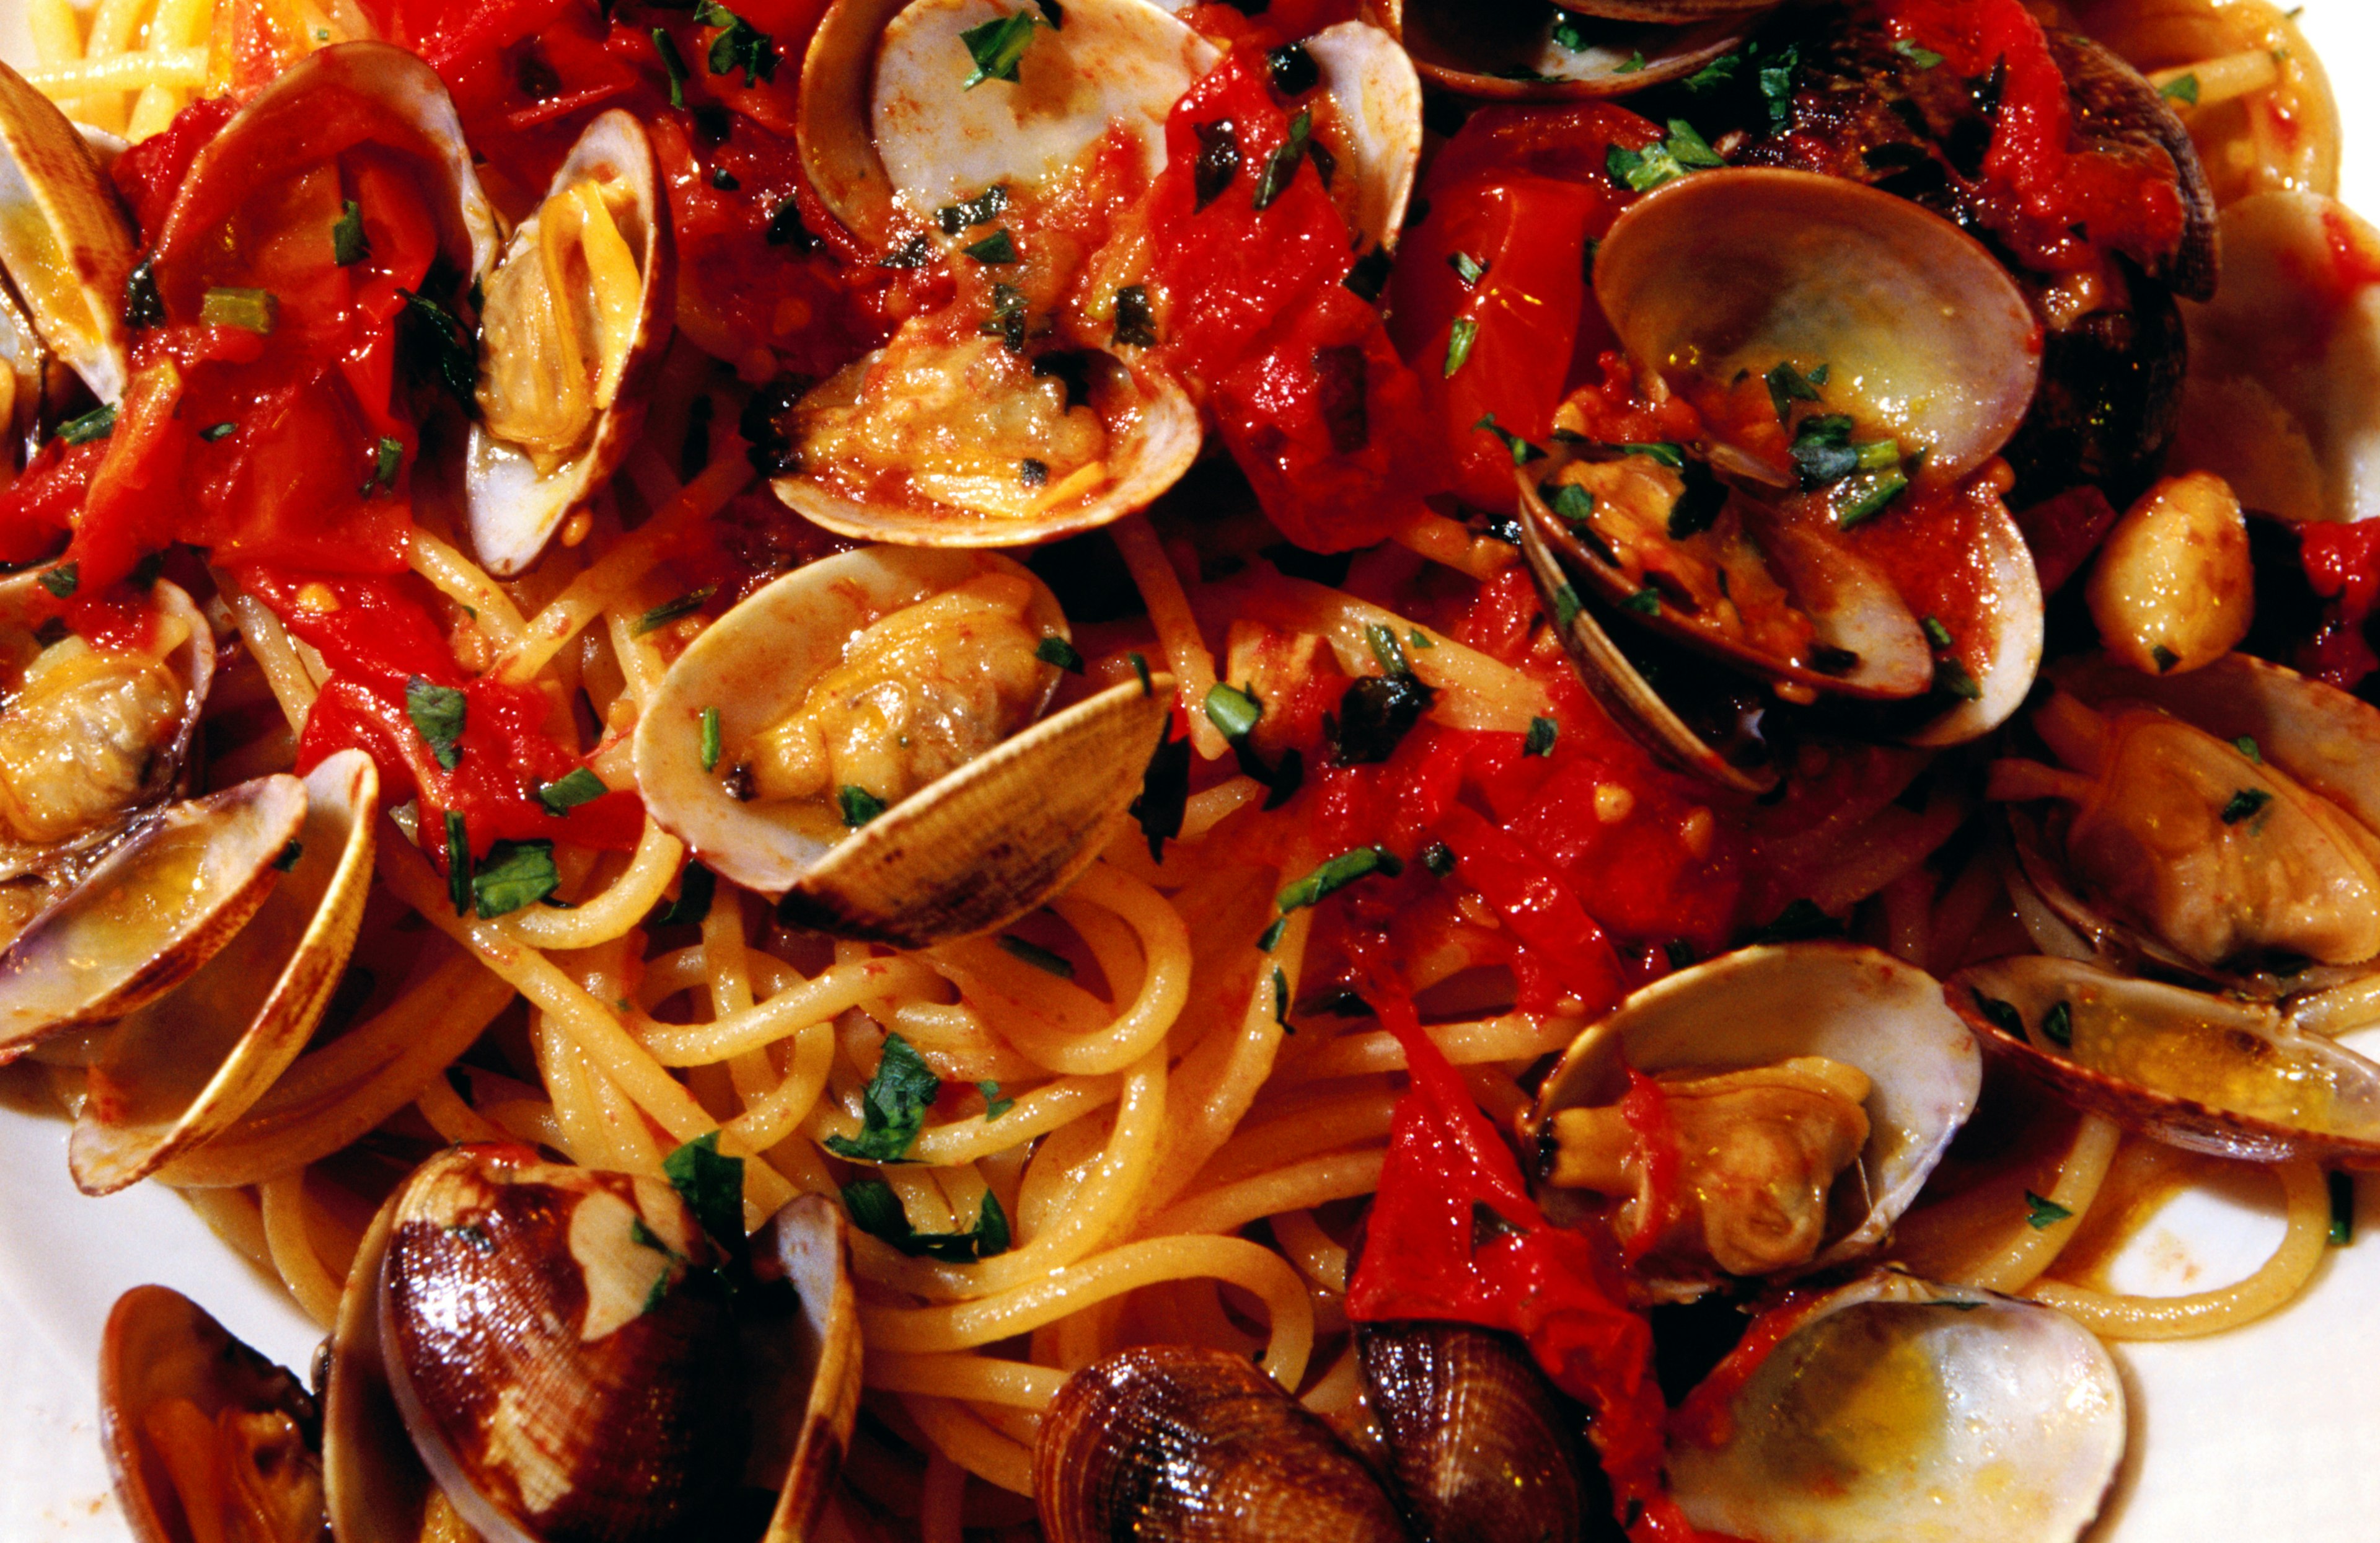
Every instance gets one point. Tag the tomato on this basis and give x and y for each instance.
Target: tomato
(41, 504)
(150, 173)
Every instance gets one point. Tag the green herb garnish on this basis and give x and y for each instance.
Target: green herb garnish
(893, 1106)
(859, 806)
(515, 873)
(437, 712)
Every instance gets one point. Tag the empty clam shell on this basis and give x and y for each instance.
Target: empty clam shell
(1747, 268)
(171, 1378)
(1761, 1007)
(889, 135)
(1373, 83)
(2210, 1074)
(602, 229)
(1893, 1409)
(148, 914)
(181, 1069)
(1171, 1442)
(971, 850)
(64, 239)
(1512, 49)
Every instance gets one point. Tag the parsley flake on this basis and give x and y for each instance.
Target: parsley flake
(63, 581)
(2244, 805)
(348, 244)
(1540, 740)
(581, 786)
(1038, 957)
(437, 712)
(669, 611)
(2042, 1215)
(859, 806)
(712, 1186)
(514, 873)
(708, 741)
(893, 1106)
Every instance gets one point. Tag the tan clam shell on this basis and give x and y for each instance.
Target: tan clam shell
(2033, 985)
(1745, 268)
(1373, 82)
(887, 136)
(1154, 437)
(2326, 738)
(970, 852)
(374, 1485)
(1478, 1448)
(159, 1344)
(809, 1243)
(199, 870)
(1761, 1006)
(1176, 1443)
(178, 1071)
(2008, 1426)
(513, 509)
(193, 660)
(1505, 51)
(408, 100)
(64, 238)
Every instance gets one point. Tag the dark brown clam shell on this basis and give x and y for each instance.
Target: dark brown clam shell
(2116, 105)
(1481, 1451)
(1177, 1444)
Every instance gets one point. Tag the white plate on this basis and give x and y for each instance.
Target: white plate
(2270, 1433)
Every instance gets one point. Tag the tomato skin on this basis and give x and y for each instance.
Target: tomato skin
(150, 173)
(43, 501)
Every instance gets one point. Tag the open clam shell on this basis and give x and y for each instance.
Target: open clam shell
(2210, 1074)
(181, 1069)
(170, 1375)
(888, 136)
(1761, 1007)
(971, 850)
(515, 497)
(1894, 1409)
(1378, 92)
(1512, 49)
(1746, 268)
(571, 1300)
(2322, 738)
(158, 906)
(123, 761)
(1152, 436)
(64, 239)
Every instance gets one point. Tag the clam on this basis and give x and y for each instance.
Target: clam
(573, 324)
(2222, 823)
(190, 1416)
(2238, 1080)
(1852, 351)
(64, 238)
(91, 733)
(888, 133)
(1809, 1088)
(1522, 49)
(1377, 131)
(549, 1353)
(899, 680)
(177, 1071)
(1478, 1448)
(150, 913)
(1175, 1442)
(1894, 1409)
(2285, 362)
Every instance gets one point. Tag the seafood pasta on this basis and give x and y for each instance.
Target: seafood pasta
(918, 768)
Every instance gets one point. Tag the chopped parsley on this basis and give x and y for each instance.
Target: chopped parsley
(2244, 805)
(2246, 746)
(214, 432)
(696, 889)
(63, 581)
(1936, 634)
(1540, 740)
(995, 250)
(437, 712)
(998, 47)
(859, 806)
(348, 244)
(96, 424)
(709, 739)
(712, 1186)
(2001, 1016)
(1787, 385)
(673, 63)
(2042, 1215)
(1659, 165)
(388, 457)
(1867, 495)
(1281, 166)
(876, 1210)
(1038, 957)
(1572, 502)
(1336, 875)
(2342, 1208)
(1164, 791)
(1054, 649)
(458, 862)
(1217, 164)
(1467, 268)
(433, 342)
(1916, 54)
(912, 253)
(1459, 339)
(994, 1106)
(669, 611)
(582, 786)
(2182, 89)
(981, 209)
(2058, 1025)
(514, 873)
(1522, 450)
(739, 45)
(1438, 859)
(891, 1107)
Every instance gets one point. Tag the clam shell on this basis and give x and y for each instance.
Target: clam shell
(1477, 1446)
(1761, 1006)
(2322, 1100)
(148, 914)
(806, 1397)
(374, 1486)
(970, 852)
(1172, 1442)
(1505, 50)
(158, 1345)
(2114, 100)
(560, 1369)
(64, 239)
(888, 137)
(2017, 609)
(183, 1068)
(513, 508)
(1154, 437)
(1893, 1409)
(1745, 268)
(411, 112)
(1378, 96)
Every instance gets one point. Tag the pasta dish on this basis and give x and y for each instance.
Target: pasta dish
(1082, 768)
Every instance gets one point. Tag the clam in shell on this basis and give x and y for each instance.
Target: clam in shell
(1171, 1443)
(1893, 1409)
(573, 322)
(983, 817)
(1477, 1446)
(1519, 51)
(185, 1409)
(535, 1351)
(2237, 1079)
(186, 1066)
(64, 238)
(158, 906)
(1763, 1037)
